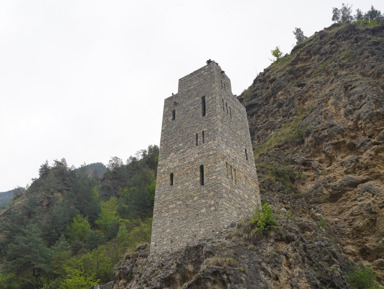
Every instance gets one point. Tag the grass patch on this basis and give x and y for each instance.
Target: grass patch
(363, 278)
(225, 262)
(289, 133)
(286, 58)
(347, 56)
(322, 66)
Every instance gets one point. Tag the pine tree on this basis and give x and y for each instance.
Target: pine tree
(28, 257)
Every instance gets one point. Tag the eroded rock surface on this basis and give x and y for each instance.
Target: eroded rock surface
(334, 83)
(299, 254)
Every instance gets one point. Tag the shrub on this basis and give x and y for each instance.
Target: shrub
(363, 278)
(264, 219)
(276, 53)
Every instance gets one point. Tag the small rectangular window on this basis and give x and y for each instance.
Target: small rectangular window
(202, 136)
(173, 114)
(226, 106)
(171, 179)
(246, 155)
(203, 108)
(230, 114)
(202, 175)
(197, 139)
(234, 172)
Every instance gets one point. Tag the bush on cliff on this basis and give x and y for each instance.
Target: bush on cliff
(264, 219)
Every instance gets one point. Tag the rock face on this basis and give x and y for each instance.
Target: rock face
(317, 124)
(297, 255)
(329, 94)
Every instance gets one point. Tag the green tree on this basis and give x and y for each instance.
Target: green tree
(28, 257)
(336, 14)
(276, 53)
(108, 220)
(58, 218)
(78, 279)
(99, 263)
(299, 35)
(342, 15)
(346, 13)
(79, 229)
(6, 280)
(359, 15)
(264, 219)
(373, 14)
(60, 253)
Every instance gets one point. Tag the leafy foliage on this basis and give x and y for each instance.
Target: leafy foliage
(264, 219)
(78, 279)
(276, 53)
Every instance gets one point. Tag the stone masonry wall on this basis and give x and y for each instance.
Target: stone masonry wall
(185, 210)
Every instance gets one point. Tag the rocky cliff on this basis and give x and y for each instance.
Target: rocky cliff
(317, 123)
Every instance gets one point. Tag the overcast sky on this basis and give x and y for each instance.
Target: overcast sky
(86, 79)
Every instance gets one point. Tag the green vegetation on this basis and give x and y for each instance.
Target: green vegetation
(347, 56)
(286, 175)
(322, 66)
(299, 35)
(290, 133)
(225, 262)
(363, 278)
(7, 197)
(70, 227)
(263, 219)
(276, 53)
(372, 17)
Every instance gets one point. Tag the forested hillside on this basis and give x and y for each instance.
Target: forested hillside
(70, 227)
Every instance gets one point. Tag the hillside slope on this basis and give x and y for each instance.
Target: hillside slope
(317, 123)
(6, 197)
(328, 94)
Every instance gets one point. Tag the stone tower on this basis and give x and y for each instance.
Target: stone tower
(206, 176)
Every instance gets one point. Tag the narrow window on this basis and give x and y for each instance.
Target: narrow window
(226, 165)
(202, 175)
(231, 172)
(226, 106)
(230, 114)
(171, 179)
(173, 114)
(202, 136)
(246, 155)
(223, 104)
(197, 139)
(203, 106)
(234, 172)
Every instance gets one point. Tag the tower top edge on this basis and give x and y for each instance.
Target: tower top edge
(210, 75)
